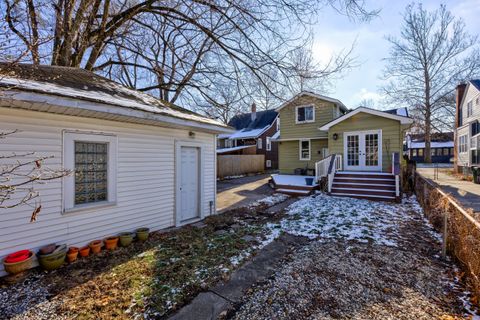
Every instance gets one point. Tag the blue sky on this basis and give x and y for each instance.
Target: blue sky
(333, 33)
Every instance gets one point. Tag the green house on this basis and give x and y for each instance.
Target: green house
(319, 135)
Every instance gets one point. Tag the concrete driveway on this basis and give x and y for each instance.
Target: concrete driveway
(240, 192)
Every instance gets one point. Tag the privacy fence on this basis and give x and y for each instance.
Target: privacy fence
(460, 229)
(234, 165)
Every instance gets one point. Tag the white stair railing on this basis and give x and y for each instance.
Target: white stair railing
(321, 168)
(327, 168)
(396, 172)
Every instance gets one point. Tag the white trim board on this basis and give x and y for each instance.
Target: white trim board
(314, 95)
(178, 145)
(47, 102)
(402, 119)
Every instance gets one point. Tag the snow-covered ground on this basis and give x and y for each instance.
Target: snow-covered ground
(325, 217)
(270, 200)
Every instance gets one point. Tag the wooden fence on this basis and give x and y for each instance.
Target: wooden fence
(239, 164)
(460, 229)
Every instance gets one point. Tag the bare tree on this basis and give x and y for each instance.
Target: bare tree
(170, 48)
(20, 173)
(433, 54)
(308, 74)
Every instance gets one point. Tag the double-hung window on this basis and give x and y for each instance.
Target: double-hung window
(462, 144)
(259, 143)
(304, 146)
(268, 141)
(469, 108)
(92, 157)
(304, 114)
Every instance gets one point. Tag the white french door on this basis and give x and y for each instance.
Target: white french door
(362, 150)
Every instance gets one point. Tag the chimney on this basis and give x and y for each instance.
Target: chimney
(458, 114)
(254, 111)
(458, 121)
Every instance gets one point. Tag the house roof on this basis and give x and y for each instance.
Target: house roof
(398, 111)
(80, 84)
(402, 119)
(226, 150)
(476, 83)
(248, 127)
(315, 95)
(434, 137)
(245, 121)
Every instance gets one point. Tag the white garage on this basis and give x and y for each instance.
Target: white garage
(138, 161)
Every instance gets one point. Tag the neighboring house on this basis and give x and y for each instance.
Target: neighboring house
(441, 147)
(256, 128)
(362, 143)
(138, 161)
(467, 128)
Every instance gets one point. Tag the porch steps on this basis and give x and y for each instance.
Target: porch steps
(370, 185)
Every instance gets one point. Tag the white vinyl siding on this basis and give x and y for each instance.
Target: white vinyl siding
(145, 180)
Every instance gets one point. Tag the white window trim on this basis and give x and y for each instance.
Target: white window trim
(259, 143)
(69, 138)
(300, 149)
(306, 121)
(268, 142)
(268, 163)
(460, 144)
(278, 123)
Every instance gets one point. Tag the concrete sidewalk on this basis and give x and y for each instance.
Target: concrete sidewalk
(241, 192)
(467, 193)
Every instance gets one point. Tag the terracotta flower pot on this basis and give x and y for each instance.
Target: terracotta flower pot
(84, 251)
(111, 243)
(72, 256)
(73, 249)
(142, 234)
(96, 246)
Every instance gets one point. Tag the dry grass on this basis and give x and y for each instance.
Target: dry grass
(463, 242)
(154, 278)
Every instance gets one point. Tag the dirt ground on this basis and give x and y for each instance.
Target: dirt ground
(345, 279)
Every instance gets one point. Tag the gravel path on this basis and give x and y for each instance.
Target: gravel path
(350, 279)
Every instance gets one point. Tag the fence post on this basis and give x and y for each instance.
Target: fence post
(445, 234)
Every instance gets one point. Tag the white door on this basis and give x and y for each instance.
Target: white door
(363, 150)
(189, 183)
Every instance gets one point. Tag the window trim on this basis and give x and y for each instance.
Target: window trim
(268, 143)
(68, 185)
(268, 163)
(469, 108)
(465, 143)
(305, 121)
(300, 150)
(260, 143)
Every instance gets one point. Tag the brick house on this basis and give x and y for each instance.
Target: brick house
(252, 129)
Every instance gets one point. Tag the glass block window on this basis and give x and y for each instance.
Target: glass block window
(91, 163)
